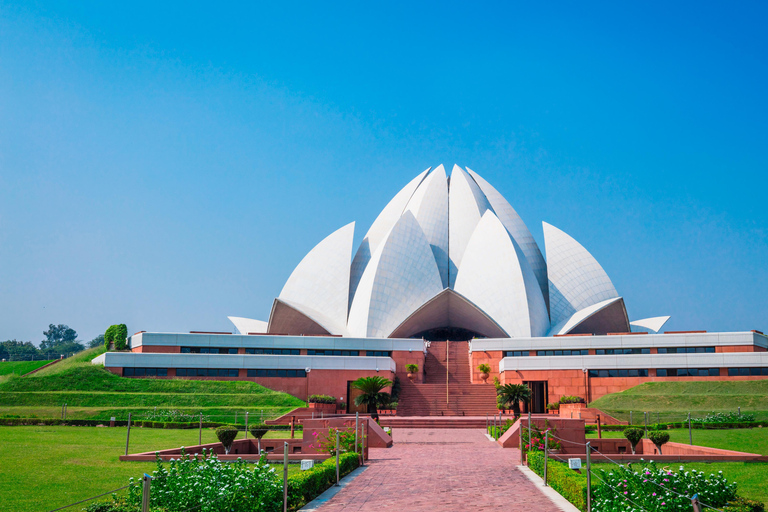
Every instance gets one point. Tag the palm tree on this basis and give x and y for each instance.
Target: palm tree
(372, 395)
(513, 394)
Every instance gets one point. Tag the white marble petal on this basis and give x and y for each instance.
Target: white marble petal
(496, 276)
(379, 230)
(517, 228)
(248, 325)
(401, 276)
(321, 281)
(576, 279)
(429, 205)
(649, 325)
(467, 204)
(574, 320)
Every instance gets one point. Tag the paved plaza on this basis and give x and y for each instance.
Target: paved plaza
(441, 469)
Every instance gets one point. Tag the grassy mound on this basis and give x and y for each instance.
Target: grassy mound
(671, 401)
(20, 367)
(90, 391)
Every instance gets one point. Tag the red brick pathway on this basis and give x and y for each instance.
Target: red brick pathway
(441, 470)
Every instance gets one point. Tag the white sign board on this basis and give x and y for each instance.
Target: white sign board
(574, 463)
(307, 464)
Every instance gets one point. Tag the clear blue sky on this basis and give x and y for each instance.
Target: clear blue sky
(166, 164)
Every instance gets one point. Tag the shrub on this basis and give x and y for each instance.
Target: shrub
(226, 436)
(744, 505)
(258, 431)
(109, 336)
(121, 335)
(496, 383)
(412, 368)
(725, 417)
(647, 489)
(553, 406)
(571, 485)
(633, 435)
(307, 485)
(328, 445)
(570, 399)
(658, 438)
(321, 399)
(484, 368)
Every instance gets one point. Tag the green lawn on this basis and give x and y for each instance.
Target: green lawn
(754, 440)
(44, 468)
(672, 401)
(91, 392)
(20, 367)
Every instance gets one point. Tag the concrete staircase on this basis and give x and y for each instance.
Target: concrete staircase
(457, 397)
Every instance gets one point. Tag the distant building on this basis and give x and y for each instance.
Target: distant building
(448, 259)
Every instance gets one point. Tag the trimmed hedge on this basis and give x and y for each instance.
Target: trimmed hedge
(571, 485)
(684, 424)
(307, 485)
(21, 422)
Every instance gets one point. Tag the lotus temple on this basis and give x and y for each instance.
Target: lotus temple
(448, 277)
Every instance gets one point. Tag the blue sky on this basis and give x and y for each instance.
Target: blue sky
(168, 165)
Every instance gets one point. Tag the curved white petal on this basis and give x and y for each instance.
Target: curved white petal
(517, 228)
(321, 280)
(576, 279)
(288, 317)
(650, 325)
(429, 205)
(601, 318)
(248, 325)
(379, 230)
(496, 276)
(467, 204)
(401, 276)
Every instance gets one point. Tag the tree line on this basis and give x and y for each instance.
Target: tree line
(59, 340)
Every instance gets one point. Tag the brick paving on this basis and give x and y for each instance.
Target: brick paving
(441, 469)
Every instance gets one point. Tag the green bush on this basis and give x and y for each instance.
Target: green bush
(321, 399)
(743, 505)
(109, 336)
(307, 485)
(633, 435)
(569, 399)
(258, 431)
(412, 368)
(659, 439)
(571, 485)
(121, 335)
(226, 436)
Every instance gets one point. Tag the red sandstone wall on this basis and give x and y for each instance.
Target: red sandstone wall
(403, 358)
(489, 357)
(159, 349)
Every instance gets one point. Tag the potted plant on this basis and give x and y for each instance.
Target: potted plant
(485, 372)
(412, 369)
(553, 407)
(513, 394)
(323, 402)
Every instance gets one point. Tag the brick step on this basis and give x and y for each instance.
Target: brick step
(433, 422)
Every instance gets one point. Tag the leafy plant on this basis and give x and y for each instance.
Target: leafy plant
(307, 485)
(533, 438)
(226, 436)
(571, 485)
(484, 368)
(725, 417)
(328, 444)
(633, 435)
(321, 399)
(258, 431)
(109, 336)
(513, 394)
(412, 368)
(570, 399)
(553, 406)
(659, 490)
(116, 334)
(496, 383)
(372, 396)
(658, 438)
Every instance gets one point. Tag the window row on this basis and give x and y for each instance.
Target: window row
(145, 372)
(316, 352)
(378, 353)
(686, 350)
(277, 373)
(516, 353)
(612, 351)
(274, 351)
(208, 350)
(741, 372)
(207, 372)
(618, 373)
(582, 352)
(688, 372)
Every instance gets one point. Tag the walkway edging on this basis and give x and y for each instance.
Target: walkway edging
(554, 496)
(331, 491)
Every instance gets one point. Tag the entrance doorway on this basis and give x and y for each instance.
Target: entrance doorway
(539, 395)
(353, 393)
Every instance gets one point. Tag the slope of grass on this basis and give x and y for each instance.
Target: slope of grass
(750, 440)
(20, 367)
(48, 467)
(671, 401)
(90, 391)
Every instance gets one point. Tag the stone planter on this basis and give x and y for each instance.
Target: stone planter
(484, 377)
(571, 410)
(410, 376)
(322, 407)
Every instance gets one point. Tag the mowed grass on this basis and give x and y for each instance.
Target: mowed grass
(91, 392)
(20, 367)
(43, 468)
(672, 401)
(750, 440)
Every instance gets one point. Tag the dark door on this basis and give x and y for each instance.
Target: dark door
(539, 395)
(353, 393)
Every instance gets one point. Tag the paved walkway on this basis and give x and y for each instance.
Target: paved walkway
(441, 469)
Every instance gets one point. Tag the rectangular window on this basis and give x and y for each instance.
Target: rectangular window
(378, 353)
(603, 373)
(327, 352)
(593, 373)
(128, 372)
(623, 373)
(633, 373)
(600, 352)
(661, 372)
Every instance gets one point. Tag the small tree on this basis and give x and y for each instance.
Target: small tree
(258, 431)
(513, 394)
(372, 396)
(226, 436)
(633, 435)
(658, 438)
(412, 368)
